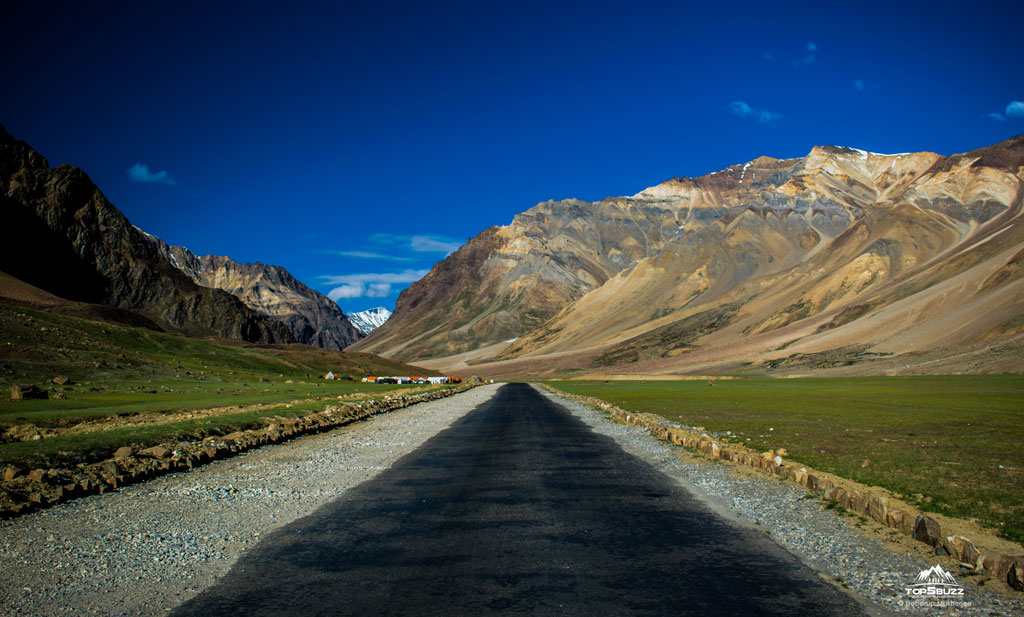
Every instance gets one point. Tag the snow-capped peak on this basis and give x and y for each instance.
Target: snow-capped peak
(369, 320)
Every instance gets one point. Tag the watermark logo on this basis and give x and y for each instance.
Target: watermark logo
(934, 587)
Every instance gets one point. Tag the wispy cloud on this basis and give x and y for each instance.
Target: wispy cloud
(405, 276)
(140, 172)
(434, 244)
(809, 57)
(366, 255)
(743, 110)
(421, 243)
(768, 56)
(860, 84)
(369, 285)
(1015, 109)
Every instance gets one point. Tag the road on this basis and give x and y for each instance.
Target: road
(519, 509)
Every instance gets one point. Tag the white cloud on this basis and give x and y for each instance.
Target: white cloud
(810, 57)
(378, 290)
(1015, 109)
(860, 84)
(360, 290)
(423, 243)
(140, 172)
(367, 255)
(369, 285)
(405, 276)
(355, 290)
(743, 110)
(434, 244)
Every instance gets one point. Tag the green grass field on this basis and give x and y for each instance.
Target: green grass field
(122, 371)
(125, 397)
(947, 444)
(67, 450)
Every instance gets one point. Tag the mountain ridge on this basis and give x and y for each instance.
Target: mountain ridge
(84, 249)
(312, 318)
(824, 240)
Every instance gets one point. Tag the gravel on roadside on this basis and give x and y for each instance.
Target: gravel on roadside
(151, 546)
(853, 559)
(147, 548)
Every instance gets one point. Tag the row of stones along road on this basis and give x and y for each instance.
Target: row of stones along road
(149, 547)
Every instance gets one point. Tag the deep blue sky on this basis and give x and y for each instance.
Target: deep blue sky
(356, 143)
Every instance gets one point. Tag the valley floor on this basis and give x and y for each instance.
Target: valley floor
(149, 547)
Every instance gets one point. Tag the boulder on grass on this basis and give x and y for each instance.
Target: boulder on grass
(21, 391)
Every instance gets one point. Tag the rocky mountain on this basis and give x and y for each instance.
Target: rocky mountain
(63, 236)
(369, 320)
(836, 258)
(312, 318)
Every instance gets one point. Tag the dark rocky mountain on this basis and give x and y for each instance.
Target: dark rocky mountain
(833, 258)
(63, 236)
(312, 318)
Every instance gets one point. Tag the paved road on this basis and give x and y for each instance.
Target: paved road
(519, 509)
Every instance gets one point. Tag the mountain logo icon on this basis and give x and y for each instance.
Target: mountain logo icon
(934, 575)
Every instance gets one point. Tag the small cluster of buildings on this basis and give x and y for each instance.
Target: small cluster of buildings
(433, 380)
(402, 379)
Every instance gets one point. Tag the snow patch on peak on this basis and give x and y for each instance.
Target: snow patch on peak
(369, 320)
(864, 153)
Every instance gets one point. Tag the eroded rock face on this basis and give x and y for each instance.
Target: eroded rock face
(312, 318)
(759, 250)
(65, 237)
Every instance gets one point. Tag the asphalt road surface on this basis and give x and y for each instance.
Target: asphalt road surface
(519, 509)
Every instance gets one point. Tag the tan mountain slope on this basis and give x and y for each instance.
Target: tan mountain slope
(768, 262)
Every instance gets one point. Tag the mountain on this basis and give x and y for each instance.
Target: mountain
(64, 237)
(312, 318)
(906, 262)
(369, 320)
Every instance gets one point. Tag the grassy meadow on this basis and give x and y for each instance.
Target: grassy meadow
(150, 381)
(947, 444)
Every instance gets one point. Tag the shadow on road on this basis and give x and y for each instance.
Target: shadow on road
(518, 509)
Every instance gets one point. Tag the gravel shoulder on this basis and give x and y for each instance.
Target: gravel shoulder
(149, 547)
(867, 561)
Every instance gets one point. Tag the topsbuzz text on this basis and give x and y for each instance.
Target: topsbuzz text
(935, 591)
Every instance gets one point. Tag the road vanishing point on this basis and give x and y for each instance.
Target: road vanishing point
(518, 508)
